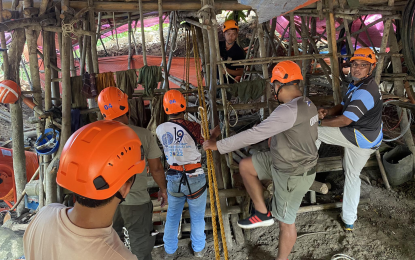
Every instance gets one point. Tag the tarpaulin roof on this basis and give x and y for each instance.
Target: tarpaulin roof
(268, 9)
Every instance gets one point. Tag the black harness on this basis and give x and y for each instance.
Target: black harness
(185, 181)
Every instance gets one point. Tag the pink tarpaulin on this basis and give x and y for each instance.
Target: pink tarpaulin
(375, 32)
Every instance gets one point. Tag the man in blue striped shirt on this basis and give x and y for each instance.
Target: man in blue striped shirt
(357, 126)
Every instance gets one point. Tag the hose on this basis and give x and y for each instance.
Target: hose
(402, 131)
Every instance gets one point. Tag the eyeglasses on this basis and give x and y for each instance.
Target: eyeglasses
(360, 66)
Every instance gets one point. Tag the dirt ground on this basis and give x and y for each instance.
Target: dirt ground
(385, 229)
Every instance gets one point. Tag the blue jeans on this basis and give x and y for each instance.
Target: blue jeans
(197, 209)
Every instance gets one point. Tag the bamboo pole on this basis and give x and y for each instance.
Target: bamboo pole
(143, 36)
(163, 53)
(129, 41)
(72, 63)
(293, 36)
(334, 62)
(99, 32)
(31, 39)
(66, 89)
(93, 29)
(383, 45)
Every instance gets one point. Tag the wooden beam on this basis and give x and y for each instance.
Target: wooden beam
(143, 37)
(163, 53)
(152, 6)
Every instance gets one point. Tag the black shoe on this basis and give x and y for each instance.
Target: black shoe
(256, 220)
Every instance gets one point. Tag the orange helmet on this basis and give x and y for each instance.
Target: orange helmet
(364, 53)
(174, 102)
(99, 158)
(286, 71)
(112, 102)
(230, 24)
(9, 92)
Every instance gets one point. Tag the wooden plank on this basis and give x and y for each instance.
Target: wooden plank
(161, 216)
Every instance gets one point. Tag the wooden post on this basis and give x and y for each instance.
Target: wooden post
(143, 37)
(331, 39)
(262, 54)
(66, 88)
(163, 53)
(271, 36)
(306, 63)
(31, 39)
(93, 37)
(51, 186)
(19, 158)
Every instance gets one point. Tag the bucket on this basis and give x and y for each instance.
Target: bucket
(398, 165)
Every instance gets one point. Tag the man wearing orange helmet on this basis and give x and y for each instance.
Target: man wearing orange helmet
(98, 164)
(136, 213)
(290, 163)
(356, 125)
(230, 50)
(186, 179)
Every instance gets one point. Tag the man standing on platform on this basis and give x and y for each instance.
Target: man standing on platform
(357, 126)
(229, 51)
(291, 161)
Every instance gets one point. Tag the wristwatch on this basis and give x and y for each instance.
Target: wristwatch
(319, 122)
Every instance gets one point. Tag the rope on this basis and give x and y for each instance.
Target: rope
(187, 67)
(341, 256)
(229, 115)
(68, 29)
(403, 132)
(213, 187)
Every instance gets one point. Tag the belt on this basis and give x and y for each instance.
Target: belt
(172, 172)
(187, 167)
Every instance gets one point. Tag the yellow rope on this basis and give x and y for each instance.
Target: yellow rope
(213, 186)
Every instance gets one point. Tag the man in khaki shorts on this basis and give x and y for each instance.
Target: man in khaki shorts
(290, 163)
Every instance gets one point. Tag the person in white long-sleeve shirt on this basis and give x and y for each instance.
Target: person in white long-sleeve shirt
(291, 161)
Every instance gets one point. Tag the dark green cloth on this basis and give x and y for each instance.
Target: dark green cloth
(247, 90)
(149, 77)
(127, 81)
(78, 97)
(137, 219)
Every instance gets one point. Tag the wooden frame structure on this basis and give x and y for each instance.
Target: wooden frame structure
(47, 16)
